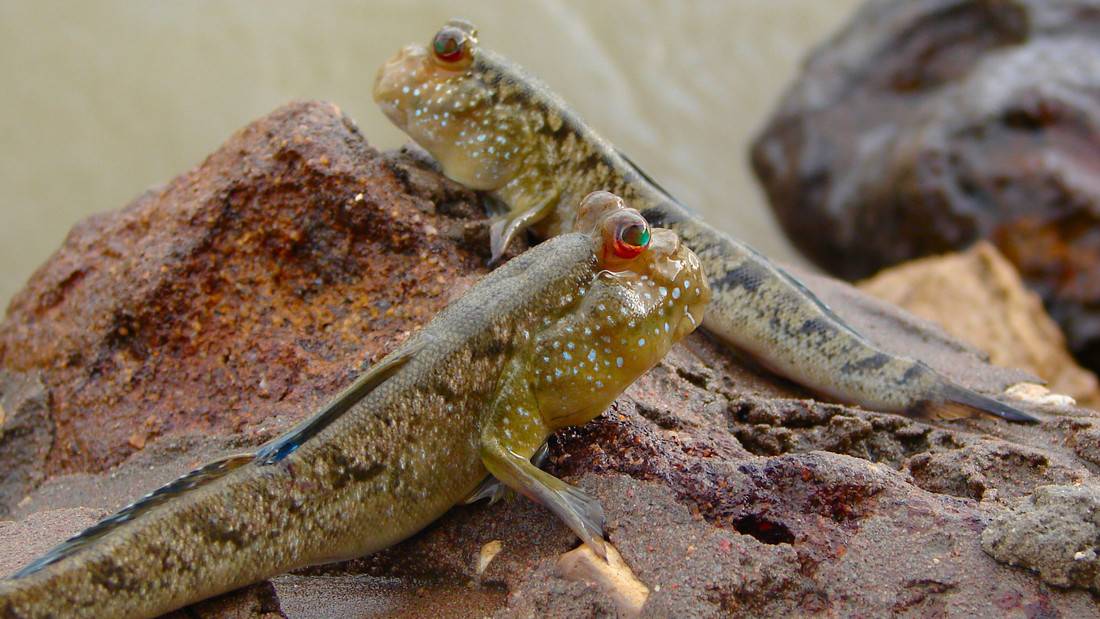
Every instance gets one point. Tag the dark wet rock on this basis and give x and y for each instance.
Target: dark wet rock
(258, 284)
(925, 125)
(1056, 532)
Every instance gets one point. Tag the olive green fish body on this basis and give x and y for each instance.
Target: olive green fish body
(494, 127)
(547, 340)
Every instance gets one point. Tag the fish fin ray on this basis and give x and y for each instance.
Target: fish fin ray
(199, 477)
(955, 402)
(379, 373)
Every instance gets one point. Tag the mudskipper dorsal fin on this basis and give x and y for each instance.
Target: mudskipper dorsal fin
(649, 179)
(198, 477)
(955, 402)
(284, 445)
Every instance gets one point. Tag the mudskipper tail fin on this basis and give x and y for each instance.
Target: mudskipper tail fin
(954, 402)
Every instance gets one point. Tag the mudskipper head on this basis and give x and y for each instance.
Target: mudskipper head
(447, 97)
(649, 291)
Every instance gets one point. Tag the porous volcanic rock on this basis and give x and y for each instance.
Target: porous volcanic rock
(1056, 532)
(925, 125)
(217, 310)
(254, 284)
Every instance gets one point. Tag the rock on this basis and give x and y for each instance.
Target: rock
(926, 125)
(1056, 532)
(946, 289)
(275, 254)
(612, 575)
(220, 309)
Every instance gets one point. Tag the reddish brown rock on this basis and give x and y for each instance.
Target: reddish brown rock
(925, 125)
(253, 285)
(257, 285)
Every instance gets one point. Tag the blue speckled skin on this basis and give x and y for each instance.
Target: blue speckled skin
(548, 339)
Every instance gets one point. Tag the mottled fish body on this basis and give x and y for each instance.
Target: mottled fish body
(494, 127)
(547, 340)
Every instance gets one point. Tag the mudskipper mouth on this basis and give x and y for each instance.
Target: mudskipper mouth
(395, 113)
(393, 82)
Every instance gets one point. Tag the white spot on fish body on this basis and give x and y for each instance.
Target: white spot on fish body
(619, 361)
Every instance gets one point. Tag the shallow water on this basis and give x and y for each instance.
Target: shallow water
(100, 100)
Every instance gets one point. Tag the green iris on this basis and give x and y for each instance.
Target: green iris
(448, 45)
(635, 235)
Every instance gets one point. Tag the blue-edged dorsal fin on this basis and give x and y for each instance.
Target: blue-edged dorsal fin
(285, 444)
(198, 477)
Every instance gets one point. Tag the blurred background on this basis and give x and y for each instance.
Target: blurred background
(100, 100)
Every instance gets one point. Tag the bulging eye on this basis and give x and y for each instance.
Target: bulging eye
(631, 237)
(450, 45)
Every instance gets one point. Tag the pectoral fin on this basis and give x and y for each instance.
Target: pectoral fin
(578, 510)
(512, 430)
(491, 488)
(529, 206)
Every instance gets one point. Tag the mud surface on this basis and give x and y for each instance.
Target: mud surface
(216, 311)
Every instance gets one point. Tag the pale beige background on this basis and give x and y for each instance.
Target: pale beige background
(99, 100)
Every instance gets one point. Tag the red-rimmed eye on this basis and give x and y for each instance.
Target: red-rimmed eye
(450, 44)
(631, 238)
